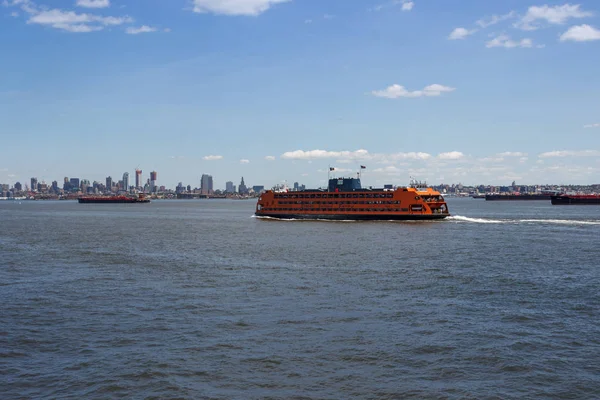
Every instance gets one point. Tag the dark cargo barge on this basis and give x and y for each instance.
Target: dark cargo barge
(579, 199)
(113, 199)
(500, 197)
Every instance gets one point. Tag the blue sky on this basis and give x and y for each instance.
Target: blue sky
(448, 91)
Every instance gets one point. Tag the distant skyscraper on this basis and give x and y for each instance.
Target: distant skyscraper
(153, 175)
(18, 186)
(229, 188)
(126, 181)
(296, 186)
(242, 189)
(138, 178)
(34, 184)
(109, 184)
(206, 184)
(74, 184)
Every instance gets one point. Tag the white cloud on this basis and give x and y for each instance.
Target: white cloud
(395, 91)
(26, 5)
(592, 125)
(491, 159)
(407, 5)
(212, 158)
(358, 155)
(571, 153)
(308, 21)
(142, 29)
(14, 14)
(410, 156)
(581, 33)
(318, 154)
(73, 22)
(552, 14)
(244, 161)
(461, 33)
(506, 42)
(234, 7)
(512, 154)
(93, 3)
(494, 19)
(390, 169)
(270, 158)
(451, 155)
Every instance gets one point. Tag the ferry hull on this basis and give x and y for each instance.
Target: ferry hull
(345, 200)
(357, 217)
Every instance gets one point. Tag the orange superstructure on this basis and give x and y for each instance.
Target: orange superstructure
(346, 200)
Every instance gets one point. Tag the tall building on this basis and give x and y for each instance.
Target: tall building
(126, 181)
(153, 175)
(206, 184)
(242, 189)
(138, 178)
(229, 188)
(55, 186)
(18, 187)
(109, 184)
(74, 184)
(34, 184)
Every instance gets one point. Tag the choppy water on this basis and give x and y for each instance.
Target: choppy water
(197, 299)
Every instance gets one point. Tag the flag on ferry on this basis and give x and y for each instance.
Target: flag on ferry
(362, 167)
(331, 168)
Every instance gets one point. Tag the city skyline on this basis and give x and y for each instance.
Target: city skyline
(275, 90)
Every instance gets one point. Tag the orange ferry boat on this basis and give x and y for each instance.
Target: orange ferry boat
(345, 199)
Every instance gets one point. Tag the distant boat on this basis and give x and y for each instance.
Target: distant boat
(113, 199)
(510, 197)
(576, 199)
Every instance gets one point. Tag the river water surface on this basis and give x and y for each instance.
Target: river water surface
(198, 300)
